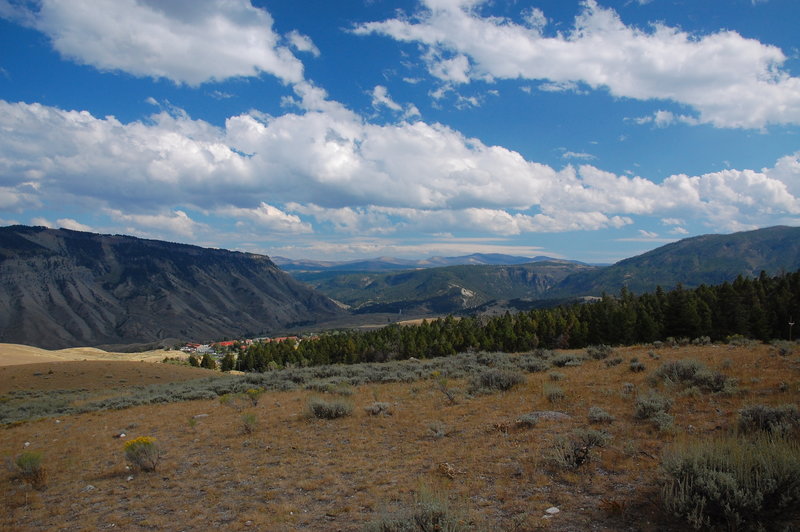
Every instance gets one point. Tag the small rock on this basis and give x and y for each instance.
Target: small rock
(552, 510)
(198, 416)
(26, 444)
(58, 421)
(89, 488)
(130, 477)
(248, 523)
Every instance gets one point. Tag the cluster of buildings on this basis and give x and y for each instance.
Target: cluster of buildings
(220, 348)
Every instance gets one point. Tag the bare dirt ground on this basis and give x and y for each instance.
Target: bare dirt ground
(299, 473)
(14, 354)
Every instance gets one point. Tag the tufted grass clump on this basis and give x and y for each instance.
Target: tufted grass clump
(329, 408)
(779, 420)
(29, 469)
(143, 453)
(733, 483)
(495, 380)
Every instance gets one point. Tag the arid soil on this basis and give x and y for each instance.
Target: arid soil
(294, 472)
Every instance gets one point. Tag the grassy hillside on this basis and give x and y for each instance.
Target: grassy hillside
(438, 432)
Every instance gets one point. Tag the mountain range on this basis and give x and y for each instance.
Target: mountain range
(62, 288)
(382, 264)
(707, 259)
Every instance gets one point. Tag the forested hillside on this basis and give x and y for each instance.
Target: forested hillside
(759, 308)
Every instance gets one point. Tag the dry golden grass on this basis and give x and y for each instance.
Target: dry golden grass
(296, 472)
(14, 354)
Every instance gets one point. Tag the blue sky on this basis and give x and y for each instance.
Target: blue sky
(590, 130)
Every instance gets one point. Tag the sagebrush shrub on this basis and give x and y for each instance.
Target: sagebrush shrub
(689, 372)
(143, 453)
(554, 393)
(565, 360)
(329, 409)
(647, 406)
(599, 352)
(636, 366)
(30, 469)
(430, 511)
(733, 483)
(492, 380)
(598, 415)
(781, 420)
(379, 408)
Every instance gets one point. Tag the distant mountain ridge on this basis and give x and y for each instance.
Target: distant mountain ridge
(392, 263)
(442, 289)
(62, 288)
(707, 259)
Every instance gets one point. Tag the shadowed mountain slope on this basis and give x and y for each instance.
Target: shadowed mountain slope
(62, 288)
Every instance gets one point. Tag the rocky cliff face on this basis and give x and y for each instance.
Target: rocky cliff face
(61, 288)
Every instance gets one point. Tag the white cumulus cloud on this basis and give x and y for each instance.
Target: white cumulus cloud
(327, 166)
(730, 80)
(186, 41)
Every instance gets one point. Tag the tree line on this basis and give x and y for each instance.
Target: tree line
(759, 308)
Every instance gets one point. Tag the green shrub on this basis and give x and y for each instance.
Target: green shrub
(781, 420)
(143, 453)
(493, 380)
(30, 469)
(329, 409)
(733, 483)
